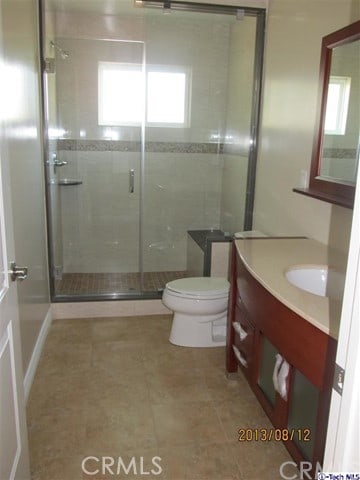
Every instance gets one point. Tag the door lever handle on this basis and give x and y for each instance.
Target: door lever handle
(18, 273)
(60, 163)
(55, 162)
(131, 180)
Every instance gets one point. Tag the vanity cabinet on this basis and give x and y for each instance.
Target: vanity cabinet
(273, 346)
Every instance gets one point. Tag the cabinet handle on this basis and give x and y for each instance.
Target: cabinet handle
(240, 357)
(278, 361)
(238, 329)
(280, 374)
(131, 180)
(239, 299)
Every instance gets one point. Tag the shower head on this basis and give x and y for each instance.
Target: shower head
(63, 53)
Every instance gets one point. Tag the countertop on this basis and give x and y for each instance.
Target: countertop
(267, 259)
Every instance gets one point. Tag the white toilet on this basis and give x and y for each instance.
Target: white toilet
(200, 311)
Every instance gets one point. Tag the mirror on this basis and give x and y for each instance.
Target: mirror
(335, 155)
(341, 128)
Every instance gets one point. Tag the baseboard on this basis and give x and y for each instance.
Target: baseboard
(31, 370)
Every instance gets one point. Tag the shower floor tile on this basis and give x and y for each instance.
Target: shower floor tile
(107, 283)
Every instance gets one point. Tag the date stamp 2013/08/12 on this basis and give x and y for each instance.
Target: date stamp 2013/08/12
(273, 434)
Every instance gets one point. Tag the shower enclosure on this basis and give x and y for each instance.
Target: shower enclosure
(150, 131)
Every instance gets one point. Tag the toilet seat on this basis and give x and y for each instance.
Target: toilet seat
(199, 287)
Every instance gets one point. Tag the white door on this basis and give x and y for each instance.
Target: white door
(14, 457)
(342, 451)
(14, 463)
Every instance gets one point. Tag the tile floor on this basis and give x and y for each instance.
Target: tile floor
(107, 283)
(117, 388)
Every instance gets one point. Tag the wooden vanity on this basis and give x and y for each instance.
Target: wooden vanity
(268, 317)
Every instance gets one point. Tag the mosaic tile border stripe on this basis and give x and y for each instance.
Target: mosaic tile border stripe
(134, 146)
(339, 153)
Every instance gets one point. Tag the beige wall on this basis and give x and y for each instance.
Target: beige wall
(293, 40)
(27, 185)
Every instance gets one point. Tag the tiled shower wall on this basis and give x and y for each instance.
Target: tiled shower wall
(186, 185)
(199, 43)
(100, 218)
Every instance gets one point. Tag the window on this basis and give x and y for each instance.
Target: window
(121, 95)
(337, 105)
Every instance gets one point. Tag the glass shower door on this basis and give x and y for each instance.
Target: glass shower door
(200, 82)
(120, 208)
(94, 138)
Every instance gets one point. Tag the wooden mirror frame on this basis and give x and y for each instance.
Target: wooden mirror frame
(320, 187)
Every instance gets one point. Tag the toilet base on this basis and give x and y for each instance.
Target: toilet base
(198, 331)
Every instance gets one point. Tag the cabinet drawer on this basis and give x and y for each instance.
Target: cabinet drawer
(243, 339)
(244, 331)
(243, 361)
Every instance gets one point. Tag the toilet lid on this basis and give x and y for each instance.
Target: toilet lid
(199, 285)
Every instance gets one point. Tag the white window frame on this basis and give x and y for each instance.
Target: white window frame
(344, 84)
(102, 66)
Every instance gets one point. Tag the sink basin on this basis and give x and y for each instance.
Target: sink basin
(316, 279)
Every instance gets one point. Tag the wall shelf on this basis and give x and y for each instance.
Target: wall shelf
(326, 197)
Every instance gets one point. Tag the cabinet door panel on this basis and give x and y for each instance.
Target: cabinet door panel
(266, 369)
(303, 413)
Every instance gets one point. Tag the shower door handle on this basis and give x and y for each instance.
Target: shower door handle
(18, 273)
(131, 180)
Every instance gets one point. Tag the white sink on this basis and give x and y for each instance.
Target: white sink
(316, 279)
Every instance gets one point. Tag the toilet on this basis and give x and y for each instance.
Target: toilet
(200, 311)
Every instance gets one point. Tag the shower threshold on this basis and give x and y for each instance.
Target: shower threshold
(98, 284)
